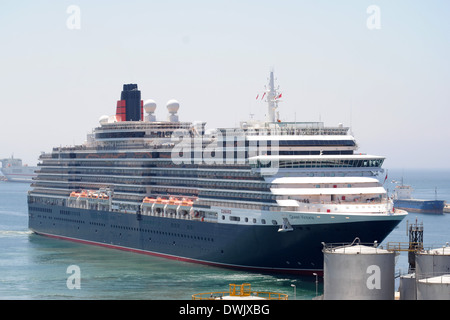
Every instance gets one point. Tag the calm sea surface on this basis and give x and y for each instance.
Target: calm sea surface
(35, 267)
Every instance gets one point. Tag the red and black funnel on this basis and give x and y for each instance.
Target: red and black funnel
(130, 107)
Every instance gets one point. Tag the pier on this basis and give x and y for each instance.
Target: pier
(240, 292)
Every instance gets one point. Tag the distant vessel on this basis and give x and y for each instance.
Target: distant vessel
(15, 171)
(403, 200)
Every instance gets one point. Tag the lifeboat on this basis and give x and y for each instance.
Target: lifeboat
(83, 194)
(92, 195)
(103, 196)
(173, 201)
(74, 194)
(187, 202)
(147, 200)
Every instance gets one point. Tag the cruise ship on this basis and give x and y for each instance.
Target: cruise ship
(263, 196)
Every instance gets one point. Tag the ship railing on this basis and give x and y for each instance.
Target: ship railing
(343, 203)
(292, 128)
(44, 155)
(418, 247)
(343, 246)
(404, 246)
(438, 249)
(375, 206)
(178, 211)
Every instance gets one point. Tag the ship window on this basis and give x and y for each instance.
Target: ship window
(263, 221)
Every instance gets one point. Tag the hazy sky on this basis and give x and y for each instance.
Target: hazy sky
(390, 84)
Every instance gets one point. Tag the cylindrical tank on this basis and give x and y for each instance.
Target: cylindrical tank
(433, 274)
(407, 287)
(432, 263)
(358, 272)
(435, 288)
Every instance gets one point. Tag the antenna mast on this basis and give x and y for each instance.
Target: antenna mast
(272, 99)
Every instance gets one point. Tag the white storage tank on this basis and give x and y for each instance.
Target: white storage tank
(431, 263)
(407, 287)
(358, 272)
(433, 274)
(434, 288)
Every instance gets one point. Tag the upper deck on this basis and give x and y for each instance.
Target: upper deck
(291, 128)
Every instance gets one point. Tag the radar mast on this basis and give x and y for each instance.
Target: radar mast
(273, 97)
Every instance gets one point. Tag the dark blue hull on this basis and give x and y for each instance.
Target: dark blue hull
(422, 206)
(260, 248)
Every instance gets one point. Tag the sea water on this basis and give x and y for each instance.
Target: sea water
(35, 267)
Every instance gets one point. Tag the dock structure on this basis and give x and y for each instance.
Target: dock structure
(415, 244)
(240, 292)
(428, 275)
